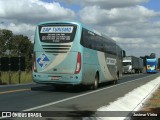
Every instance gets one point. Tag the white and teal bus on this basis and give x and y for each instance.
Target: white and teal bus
(69, 53)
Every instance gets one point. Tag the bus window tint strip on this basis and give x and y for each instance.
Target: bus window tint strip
(97, 42)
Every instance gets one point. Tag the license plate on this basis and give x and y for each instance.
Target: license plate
(55, 78)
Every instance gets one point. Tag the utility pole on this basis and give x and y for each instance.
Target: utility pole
(19, 64)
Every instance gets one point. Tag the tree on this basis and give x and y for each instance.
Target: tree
(17, 45)
(22, 45)
(5, 40)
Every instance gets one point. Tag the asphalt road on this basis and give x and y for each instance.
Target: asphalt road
(34, 97)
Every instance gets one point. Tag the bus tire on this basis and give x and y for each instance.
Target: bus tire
(96, 81)
(115, 81)
(118, 75)
(117, 78)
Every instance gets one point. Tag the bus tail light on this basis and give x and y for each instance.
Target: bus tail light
(78, 64)
(34, 68)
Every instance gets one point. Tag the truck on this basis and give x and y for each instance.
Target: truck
(151, 65)
(132, 64)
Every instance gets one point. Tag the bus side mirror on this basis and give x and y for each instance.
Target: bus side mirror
(124, 53)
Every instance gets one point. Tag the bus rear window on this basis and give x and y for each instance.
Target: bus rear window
(57, 33)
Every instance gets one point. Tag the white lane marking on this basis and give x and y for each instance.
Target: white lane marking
(77, 96)
(131, 75)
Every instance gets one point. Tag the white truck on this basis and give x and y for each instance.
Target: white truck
(132, 64)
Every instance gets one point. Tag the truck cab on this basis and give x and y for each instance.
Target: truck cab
(127, 66)
(132, 64)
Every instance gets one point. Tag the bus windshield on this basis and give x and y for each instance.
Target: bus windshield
(151, 63)
(126, 63)
(57, 33)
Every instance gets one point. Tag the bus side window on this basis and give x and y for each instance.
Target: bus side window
(123, 53)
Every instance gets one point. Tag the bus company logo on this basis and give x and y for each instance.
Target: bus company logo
(43, 60)
(111, 61)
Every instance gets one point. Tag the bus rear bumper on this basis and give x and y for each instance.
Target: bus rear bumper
(70, 79)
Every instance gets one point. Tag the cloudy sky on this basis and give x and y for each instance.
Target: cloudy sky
(134, 24)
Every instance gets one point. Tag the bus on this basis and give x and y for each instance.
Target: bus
(70, 53)
(151, 65)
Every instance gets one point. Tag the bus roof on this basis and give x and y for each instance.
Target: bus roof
(82, 25)
(73, 22)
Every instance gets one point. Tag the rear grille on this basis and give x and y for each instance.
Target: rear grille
(56, 48)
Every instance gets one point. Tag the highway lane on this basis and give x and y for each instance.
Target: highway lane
(28, 97)
(91, 100)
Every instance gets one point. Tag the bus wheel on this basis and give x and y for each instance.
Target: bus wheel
(117, 78)
(95, 84)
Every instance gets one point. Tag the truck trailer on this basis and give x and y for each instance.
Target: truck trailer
(132, 64)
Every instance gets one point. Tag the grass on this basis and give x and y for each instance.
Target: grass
(13, 77)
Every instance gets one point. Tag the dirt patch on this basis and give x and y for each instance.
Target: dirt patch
(151, 108)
